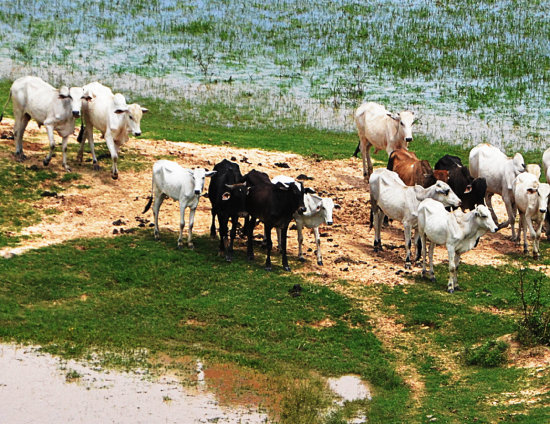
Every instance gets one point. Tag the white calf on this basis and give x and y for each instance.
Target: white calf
(390, 196)
(459, 231)
(532, 202)
(181, 184)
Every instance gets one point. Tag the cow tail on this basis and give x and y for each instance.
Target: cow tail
(5, 104)
(148, 205)
(390, 161)
(80, 133)
(371, 216)
(357, 149)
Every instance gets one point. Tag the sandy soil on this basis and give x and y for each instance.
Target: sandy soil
(347, 246)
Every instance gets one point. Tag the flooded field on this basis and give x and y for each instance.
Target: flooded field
(474, 71)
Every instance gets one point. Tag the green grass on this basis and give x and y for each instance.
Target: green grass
(246, 315)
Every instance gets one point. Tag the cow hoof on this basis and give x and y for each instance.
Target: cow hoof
(302, 259)
(451, 291)
(320, 263)
(46, 162)
(228, 259)
(191, 246)
(408, 265)
(287, 268)
(67, 169)
(180, 246)
(432, 279)
(20, 157)
(536, 256)
(96, 167)
(114, 176)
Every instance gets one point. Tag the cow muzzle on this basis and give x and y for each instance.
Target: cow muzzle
(408, 139)
(197, 192)
(76, 113)
(542, 210)
(301, 210)
(137, 134)
(329, 222)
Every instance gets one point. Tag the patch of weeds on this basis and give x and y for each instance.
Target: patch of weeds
(52, 211)
(490, 354)
(304, 402)
(72, 375)
(83, 186)
(70, 176)
(534, 324)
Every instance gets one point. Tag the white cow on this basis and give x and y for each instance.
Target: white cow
(531, 199)
(546, 164)
(380, 128)
(109, 113)
(457, 230)
(499, 171)
(181, 184)
(390, 196)
(56, 109)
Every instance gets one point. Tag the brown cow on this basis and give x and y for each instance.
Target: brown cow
(413, 170)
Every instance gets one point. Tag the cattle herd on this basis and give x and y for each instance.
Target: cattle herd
(449, 205)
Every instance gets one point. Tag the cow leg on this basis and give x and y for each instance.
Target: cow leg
(49, 130)
(533, 235)
(90, 137)
(190, 228)
(365, 153)
(213, 225)
(457, 263)
(21, 122)
(407, 228)
(489, 203)
(431, 258)
(418, 245)
(452, 270)
(269, 245)
(250, 224)
(284, 232)
(114, 155)
(159, 198)
(378, 217)
(278, 231)
(224, 241)
(318, 245)
(538, 233)
(523, 226)
(299, 230)
(510, 210)
(234, 224)
(423, 245)
(64, 143)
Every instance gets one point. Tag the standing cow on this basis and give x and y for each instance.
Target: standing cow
(471, 191)
(227, 193)
(499, 172)
(531, 199)
(181, 184)
(56, 109)
(109, 113)
(380, 128)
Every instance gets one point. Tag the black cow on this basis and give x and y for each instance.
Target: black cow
(470, 191)
(274, 205)
(227, 193)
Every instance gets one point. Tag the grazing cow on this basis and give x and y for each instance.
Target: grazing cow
(457, 230)
(391, 197)
(531, 199)
(56, 109)
(227, 193)
(412, 170)
(181, 184)
(274, 205)
(109, 113)
(380, 128)
(318, 211)
(471, 191)
(499, 171)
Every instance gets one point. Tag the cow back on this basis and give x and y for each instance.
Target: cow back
(448, 162)
(254, 178)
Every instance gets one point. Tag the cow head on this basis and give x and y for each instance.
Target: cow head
(405, 121)
(538, 196)
(135, 113)
(444, 194)
(73, 97)
(199, 176)
(483, 218)
(236, 195)
(296, 191)
(519, 164)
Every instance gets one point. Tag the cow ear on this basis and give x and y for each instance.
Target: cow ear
(229, 186)
(144, 110)
(394, 117)
(468, 189)
(281, 186)
(226, 196)
(309, 190)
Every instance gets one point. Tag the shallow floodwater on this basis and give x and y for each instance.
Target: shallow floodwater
(39, 388)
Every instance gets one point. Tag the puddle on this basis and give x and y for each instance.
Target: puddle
(349, 388)
(34, 384)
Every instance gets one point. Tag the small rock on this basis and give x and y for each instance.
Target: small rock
(115, 231)
(48, 194)
(282, 164)
(119, 222)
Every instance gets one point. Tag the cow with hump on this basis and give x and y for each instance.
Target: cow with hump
(414, 171)
(56, 109)
(391, 197)
(457, 230)
(471, 191)
(274, 205)
(531, 200)
(318, 211)
(382, 129)
(108, 113)
(182, 184)
(227, 194)
(499, 171)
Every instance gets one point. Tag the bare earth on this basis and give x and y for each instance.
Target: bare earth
(347, 246)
